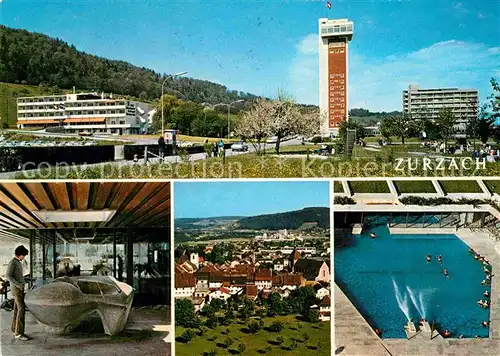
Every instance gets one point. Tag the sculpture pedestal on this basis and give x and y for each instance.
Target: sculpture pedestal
(410, 330)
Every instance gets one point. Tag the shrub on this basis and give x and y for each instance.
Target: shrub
(228, 342)
(313, 316)
(276, 326)
(241, 348)
(188, 335)
(317, 139)
(253, 327)
(343, 201)
(210, 353)
(211, 322)
(280, 340)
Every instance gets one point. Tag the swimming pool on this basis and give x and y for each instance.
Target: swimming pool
(388, 277)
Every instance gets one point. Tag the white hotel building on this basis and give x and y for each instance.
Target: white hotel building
(427, 103)
(83, 112)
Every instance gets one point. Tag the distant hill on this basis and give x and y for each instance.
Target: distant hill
(289, 220)
(365, 113)
(36, 59)
(197, 223)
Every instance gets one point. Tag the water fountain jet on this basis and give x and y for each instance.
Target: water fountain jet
(402, 300)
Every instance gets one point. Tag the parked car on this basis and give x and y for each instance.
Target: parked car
(85, 133)
(239, 146)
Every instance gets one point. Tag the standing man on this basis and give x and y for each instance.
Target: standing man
(15, 277)
(161, 147)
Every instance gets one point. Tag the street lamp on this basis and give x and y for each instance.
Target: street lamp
(229, 106)
(162, 86)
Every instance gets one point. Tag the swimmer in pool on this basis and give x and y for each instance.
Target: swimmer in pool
(485, 323)
(372, 235)
(445, 271)
(440, 259)
(486, 294)
(447, 333)
(428, 258)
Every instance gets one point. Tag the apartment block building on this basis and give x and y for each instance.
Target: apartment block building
(84, 112)
(427, 103)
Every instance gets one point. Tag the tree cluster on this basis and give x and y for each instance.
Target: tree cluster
(190, 118)
(280, 118)
(33, 58)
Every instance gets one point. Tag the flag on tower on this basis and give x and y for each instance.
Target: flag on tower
(329, 4)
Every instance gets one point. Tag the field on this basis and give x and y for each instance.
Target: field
(460, 186)
(338, 187)
(493, 185)
(417, 186)
(263, 342)
(8, 100)
(369, 187)
(254, 166)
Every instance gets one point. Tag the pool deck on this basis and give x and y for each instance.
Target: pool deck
(358, 339)
(485, 245)
(352, 331)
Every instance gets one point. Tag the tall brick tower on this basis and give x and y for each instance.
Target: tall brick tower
(334, 37)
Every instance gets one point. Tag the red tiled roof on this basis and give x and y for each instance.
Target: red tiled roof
(263, 275)
(326, 301)
(286, 279)
(251, 290)
(185, 280)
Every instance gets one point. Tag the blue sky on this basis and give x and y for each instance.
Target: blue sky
(262, 45)
(208, 199)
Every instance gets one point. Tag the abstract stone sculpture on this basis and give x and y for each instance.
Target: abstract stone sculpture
(60, 306)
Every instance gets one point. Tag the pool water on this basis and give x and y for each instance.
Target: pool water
(389, 275)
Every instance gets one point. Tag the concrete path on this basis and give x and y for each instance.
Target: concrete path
(352, 331)
(138, 339)
(484, 245)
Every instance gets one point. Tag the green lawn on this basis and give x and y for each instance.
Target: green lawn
(417, 186)
(250, 166)
(393, 139)
(369, 187)
(337, 187)
(263, 342)
(460, 186)
(302, 149)
(493, 185)
(15, 136)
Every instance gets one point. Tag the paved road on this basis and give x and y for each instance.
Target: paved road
(169, 159)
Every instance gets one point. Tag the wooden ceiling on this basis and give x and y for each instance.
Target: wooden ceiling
(137, 204)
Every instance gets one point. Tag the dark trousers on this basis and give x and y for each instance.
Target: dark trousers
(19, 311)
